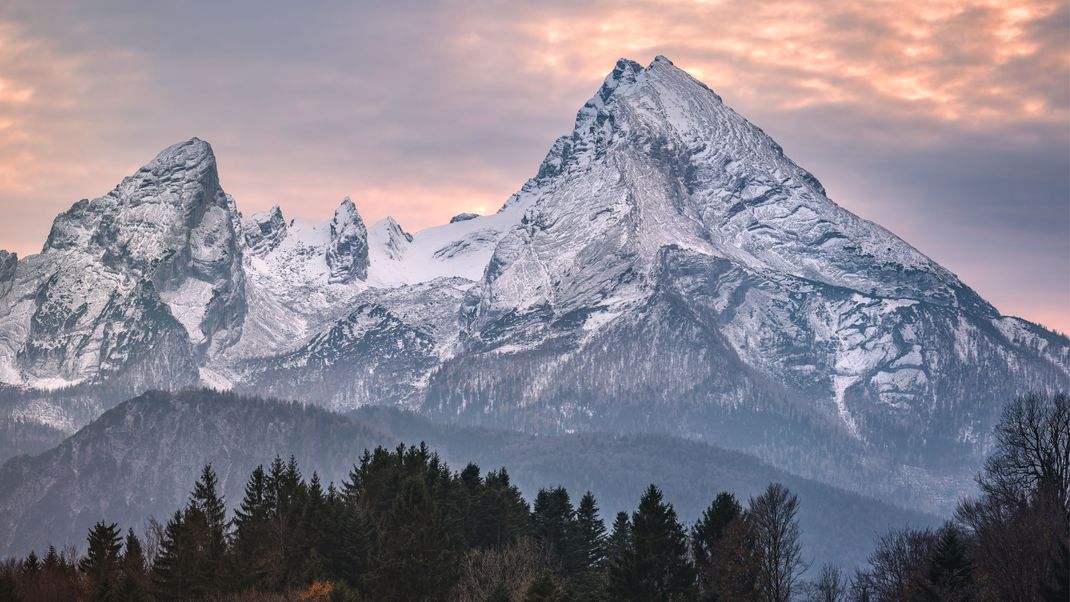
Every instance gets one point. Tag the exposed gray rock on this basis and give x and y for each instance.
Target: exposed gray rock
(264, 231)
(463, 217)
(347, 252)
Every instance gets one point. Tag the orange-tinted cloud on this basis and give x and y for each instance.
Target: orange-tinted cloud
(912, 114)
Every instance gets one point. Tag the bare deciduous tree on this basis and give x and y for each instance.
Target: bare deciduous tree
(515, 567)
(775, 529)
(1021, 523)
(1032, 452)
(830, 586)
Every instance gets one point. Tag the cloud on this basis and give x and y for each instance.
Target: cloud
(948, 121)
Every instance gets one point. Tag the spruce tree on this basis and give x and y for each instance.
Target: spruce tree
(592, 533)
(707, 534)
(134, 585)
(591, 584)
(709, 529)
(656, 565)
(52, 560)
(315, 531)
(254, 551)
(553, 520)
(173, 573)
(502, 514)
(950, 575)
(208, 527)
(412, 558)
(32, 564)
(619, 546)
(101, 564)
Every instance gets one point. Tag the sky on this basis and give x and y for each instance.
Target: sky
(946, 121)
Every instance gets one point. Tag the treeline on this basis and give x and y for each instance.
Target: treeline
(403, 526)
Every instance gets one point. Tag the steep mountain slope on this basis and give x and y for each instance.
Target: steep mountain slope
(667, 269)
(678, 268)
(142, 457)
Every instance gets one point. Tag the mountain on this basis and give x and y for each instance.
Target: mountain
(668, 269)
(141, 458)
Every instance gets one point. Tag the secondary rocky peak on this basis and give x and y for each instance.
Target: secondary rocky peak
(347, 250)
(8, 264)
(264, 230)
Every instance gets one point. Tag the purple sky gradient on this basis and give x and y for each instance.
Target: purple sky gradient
(948, 123)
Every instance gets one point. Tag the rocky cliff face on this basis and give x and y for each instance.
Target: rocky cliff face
(667, 268)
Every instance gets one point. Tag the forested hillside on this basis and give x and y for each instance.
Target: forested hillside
(403, 525)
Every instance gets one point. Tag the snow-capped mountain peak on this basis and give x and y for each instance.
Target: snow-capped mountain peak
(667, 267)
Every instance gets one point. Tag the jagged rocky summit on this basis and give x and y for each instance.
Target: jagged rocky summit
(668, 268)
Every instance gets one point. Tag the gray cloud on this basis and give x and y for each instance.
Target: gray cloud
(946, 122)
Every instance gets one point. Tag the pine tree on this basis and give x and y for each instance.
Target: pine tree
(134, 585)
(554, 522)
(205, 496)
(656, 565)
(619, 545)
(592, 533)
(32, 564)
(950, 575)
(102, 562)
(173, 572)
(708, 532)
(591, 585)
(412, 558)
(208, 526)
(254, 551)
(315, 525)
(502, 514)
(711, 527)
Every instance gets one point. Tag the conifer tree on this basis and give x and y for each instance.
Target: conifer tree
(254, 551)
(950, 576)
(173, 572)
(315, 522)
(711, 526)
(134, 585)
(412, 558)
(618, 549)
(32, 564)
(592, 533)
(554, 522)
(502, 513)
(101, 564)
(591, 584)
(707, 534)
(655, 565)
(207, 526)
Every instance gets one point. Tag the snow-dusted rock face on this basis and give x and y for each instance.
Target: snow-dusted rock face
(347, 250)
(8, 262)
(667, 268)
(264, 231)
(131, 287)
(676, 271)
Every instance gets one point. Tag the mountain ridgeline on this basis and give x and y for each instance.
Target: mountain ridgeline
(668, 269)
